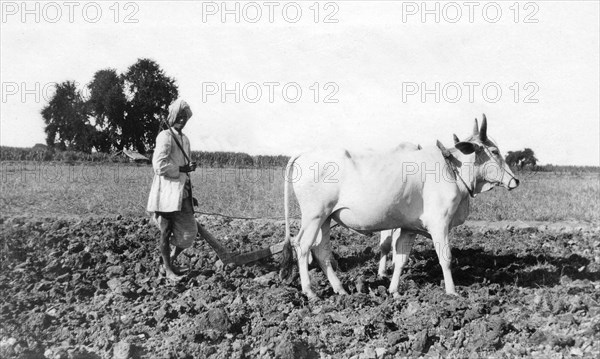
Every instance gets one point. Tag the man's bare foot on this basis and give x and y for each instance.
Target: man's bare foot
(172, 276)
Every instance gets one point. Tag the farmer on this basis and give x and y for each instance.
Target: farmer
(170, 201)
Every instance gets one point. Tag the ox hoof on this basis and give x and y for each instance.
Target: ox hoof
(311, 295)
(341, 291)
(395, 295)
(452, 293)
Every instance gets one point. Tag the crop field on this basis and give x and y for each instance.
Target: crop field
(79, 274)
(42, 188)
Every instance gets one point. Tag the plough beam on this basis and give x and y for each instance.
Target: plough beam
(237, 258)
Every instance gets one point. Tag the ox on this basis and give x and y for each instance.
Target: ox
(423, 192)
(389, 237)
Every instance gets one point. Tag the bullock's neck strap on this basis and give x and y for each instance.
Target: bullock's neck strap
(448, 157)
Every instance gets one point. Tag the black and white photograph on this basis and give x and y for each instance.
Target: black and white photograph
(361, 179)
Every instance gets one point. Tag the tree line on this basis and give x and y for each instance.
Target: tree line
(203, 158)
(242, 160)
(125, 111)
(521, 159)
(122, 111)
(238, 159)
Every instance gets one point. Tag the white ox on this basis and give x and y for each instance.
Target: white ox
(422, 192)
(389, 237)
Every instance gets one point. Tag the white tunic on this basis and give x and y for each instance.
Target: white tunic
(168, 185)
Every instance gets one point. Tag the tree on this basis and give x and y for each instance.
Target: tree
(127, 110)
(149, 92)
(67, 123)
(108, 104)
(521, 159)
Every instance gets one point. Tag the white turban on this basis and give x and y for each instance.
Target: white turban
(174, 109)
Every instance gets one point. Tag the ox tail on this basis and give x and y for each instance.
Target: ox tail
(287, 258)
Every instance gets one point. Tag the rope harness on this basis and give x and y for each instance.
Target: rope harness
(512, 178)
(239, 217)
(448, 158)
(253, 218)
(187, 158)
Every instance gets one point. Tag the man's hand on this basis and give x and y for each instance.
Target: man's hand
(188, 168)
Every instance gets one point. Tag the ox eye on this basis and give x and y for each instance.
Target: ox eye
(495, 152)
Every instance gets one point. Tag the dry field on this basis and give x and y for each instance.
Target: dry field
(79, 276)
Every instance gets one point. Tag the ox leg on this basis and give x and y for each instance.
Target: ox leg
(402, 247)
(442, 248)
(323, 254)
(303, 244)
(385, 245)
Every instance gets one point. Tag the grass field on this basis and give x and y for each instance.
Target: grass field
(51, 189)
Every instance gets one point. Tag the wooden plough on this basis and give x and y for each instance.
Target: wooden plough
(235, 257)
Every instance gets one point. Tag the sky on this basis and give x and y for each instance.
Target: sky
(282, 77)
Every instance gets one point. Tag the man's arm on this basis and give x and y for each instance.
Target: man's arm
(161, 161)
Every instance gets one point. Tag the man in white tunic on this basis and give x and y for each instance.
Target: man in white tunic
(170, 199)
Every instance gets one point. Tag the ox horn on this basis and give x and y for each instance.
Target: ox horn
(483, 131)
(456, 140)
(476, 128)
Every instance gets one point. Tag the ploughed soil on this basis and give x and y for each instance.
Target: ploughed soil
(91, 288)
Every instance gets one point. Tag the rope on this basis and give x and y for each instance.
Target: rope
(447, 155)
(240, 217)
(250, 218)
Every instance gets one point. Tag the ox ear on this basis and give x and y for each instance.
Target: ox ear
(476, 128)
(456, 140)
(467, 147)
(483, 131)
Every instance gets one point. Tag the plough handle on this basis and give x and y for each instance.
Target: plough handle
(221, 250)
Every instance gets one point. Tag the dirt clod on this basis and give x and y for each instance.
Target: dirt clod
(291, 349)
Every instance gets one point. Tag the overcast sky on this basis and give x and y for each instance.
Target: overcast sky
(381, 72)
